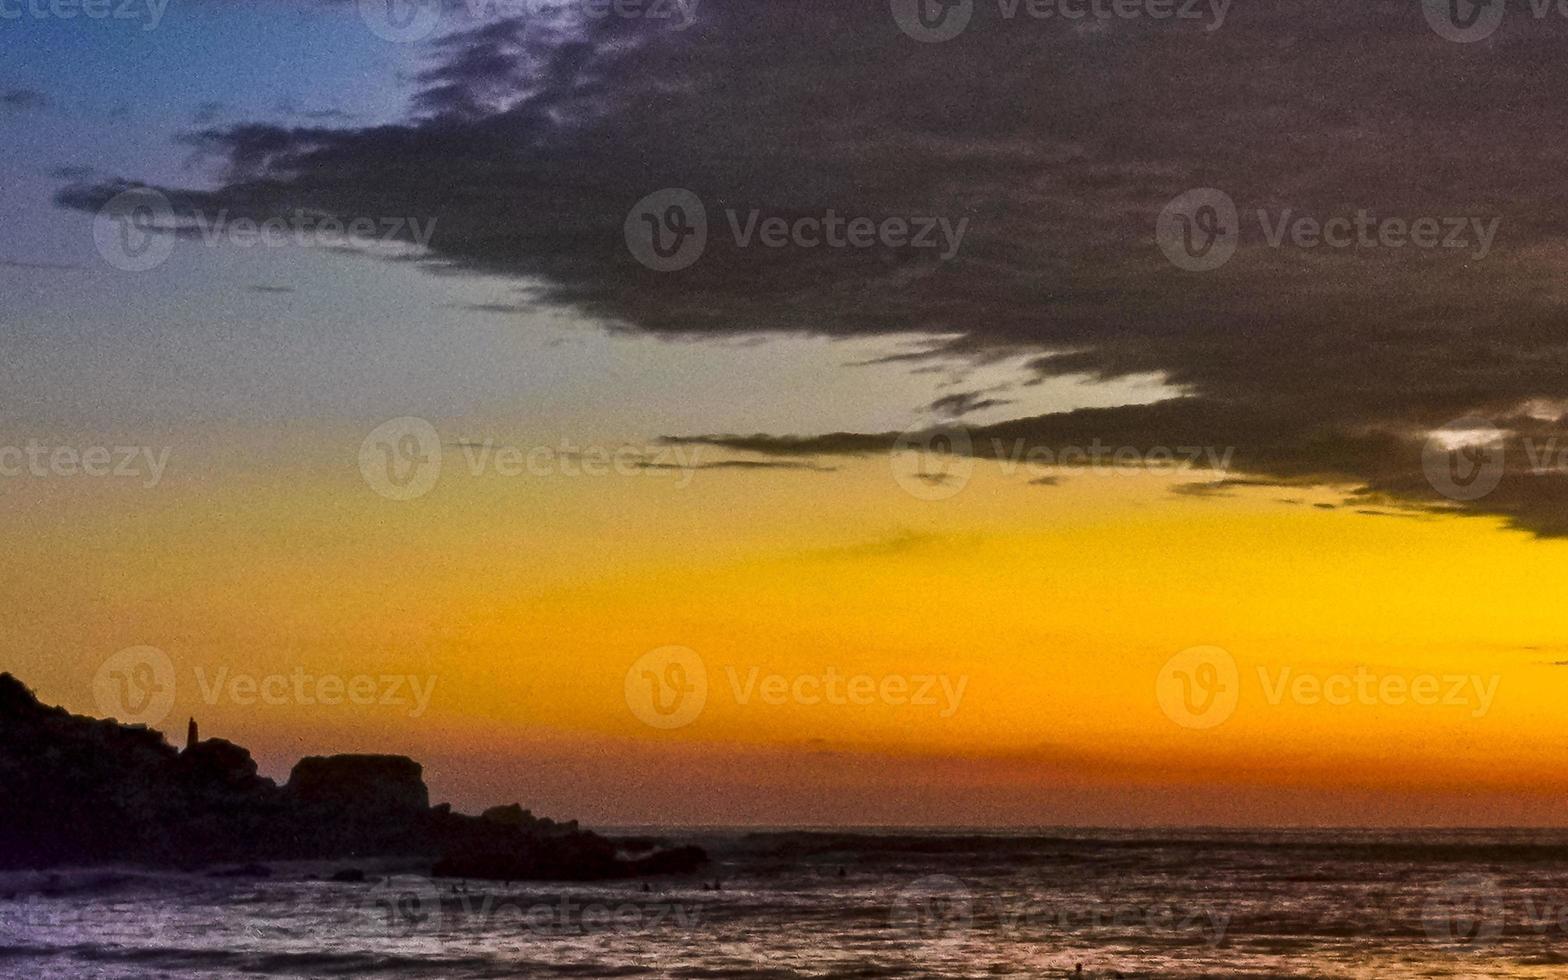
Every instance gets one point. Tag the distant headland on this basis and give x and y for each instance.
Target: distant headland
(83, 791)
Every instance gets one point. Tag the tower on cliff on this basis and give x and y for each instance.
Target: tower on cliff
(191, 737)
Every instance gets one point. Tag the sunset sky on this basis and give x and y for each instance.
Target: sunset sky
(765, 515)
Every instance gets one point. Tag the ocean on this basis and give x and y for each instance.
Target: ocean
(850, 904)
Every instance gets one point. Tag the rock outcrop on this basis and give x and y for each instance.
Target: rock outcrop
(80, 791)
(377, 785)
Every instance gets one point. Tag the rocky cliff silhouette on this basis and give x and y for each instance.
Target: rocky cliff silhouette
(83, 791)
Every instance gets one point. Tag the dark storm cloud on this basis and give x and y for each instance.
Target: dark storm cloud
(290, 109)
(1060, 144)
(965, 403)
(23, 100)
(500, 309)
(737, 464)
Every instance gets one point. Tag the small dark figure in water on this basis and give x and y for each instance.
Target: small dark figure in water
(842, 873)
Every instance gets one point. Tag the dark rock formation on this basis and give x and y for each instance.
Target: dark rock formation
(377, 785)
(512, 815)
(78, 791)
(217, 764)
